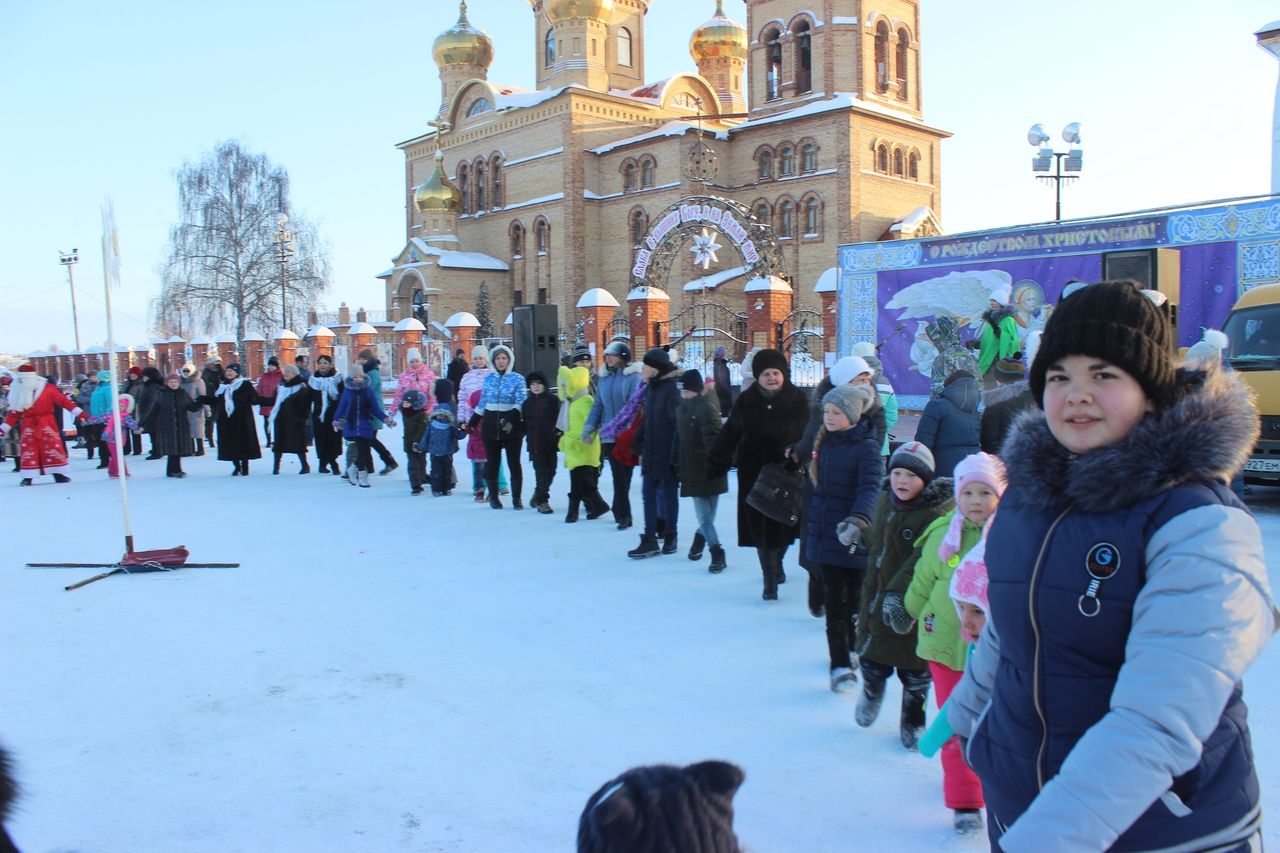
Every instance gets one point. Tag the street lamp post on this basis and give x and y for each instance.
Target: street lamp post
(69, 260)
(284, 250)
(1071, 160)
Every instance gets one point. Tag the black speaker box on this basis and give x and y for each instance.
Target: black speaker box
(536, 340)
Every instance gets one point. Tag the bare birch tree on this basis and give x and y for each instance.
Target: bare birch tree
(222, 271)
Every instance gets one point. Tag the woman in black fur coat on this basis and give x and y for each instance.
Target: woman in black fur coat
(765, 422)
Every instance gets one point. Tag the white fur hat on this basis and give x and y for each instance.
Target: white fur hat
(1002, 293)
(864, 349)
(1206, 351)
(848, 369)
(414, 354)
(480, 351)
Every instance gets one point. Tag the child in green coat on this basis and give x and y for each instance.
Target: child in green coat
(979, 483)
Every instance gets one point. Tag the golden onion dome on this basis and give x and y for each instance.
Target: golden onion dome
(437, 192)
(463, 44)
(562, 10)
(719, 37)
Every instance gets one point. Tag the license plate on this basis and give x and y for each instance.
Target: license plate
(1266, 465)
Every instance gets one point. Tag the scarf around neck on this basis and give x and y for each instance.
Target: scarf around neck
(284, 392)
(227, 392)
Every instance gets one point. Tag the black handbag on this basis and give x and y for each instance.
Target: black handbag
(778, 493)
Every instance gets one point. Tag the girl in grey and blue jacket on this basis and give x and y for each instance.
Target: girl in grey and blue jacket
(1103, 703)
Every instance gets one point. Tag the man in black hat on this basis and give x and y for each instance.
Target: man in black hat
(657, 439)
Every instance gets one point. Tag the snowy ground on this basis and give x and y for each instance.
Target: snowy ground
(387, 672)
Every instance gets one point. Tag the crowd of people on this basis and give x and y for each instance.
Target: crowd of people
(1064, 563)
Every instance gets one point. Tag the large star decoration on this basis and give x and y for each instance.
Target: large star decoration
(705, 248)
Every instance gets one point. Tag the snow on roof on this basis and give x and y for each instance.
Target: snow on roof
(254, 338)
(541, 200)
(361, 329)
(286, 335)
(200, 341)
(913, 220)
(647, 92)
(447, 258)
(671, 128)
(462, 319)
(551, 152)
(176, 339)
(710, 282)
(597, 297)
(410, 324)
(142, 348)
(1271, 27)
(763, 283)
(828, 280)
(841, 101)
(321, 332)
(644, 292)
(225, 339)
(514, 97)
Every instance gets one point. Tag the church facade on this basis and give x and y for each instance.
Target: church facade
(811, 115)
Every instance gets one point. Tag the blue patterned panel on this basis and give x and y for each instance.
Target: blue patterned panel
(1259, 264)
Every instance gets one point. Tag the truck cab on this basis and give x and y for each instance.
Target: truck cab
(1253, 349)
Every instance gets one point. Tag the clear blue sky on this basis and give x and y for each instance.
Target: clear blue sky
(105, 99)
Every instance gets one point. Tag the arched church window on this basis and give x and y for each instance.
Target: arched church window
(763, 214)
(639, 226)
(647, 170)
(624, 47)
(787, 219)
(882, 158)
(549, 49)
(913, 166)
(629, 177)
(464, 186)
(898, 168)
(499, 198)
(804, 58)
(479, 105)
(812, 219)
(809, 157)
(786, 161)
(542, 236)
(517, 240)
(901, 62)
(766, 164)
(773, 64)
(479, 193)
(882, 57)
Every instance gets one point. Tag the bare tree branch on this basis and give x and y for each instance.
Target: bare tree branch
(222, 273)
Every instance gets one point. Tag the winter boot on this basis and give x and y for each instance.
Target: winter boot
(353, 475)
(596, 506)
(494, 501)
(669, 541)
(275, 469)
(244, 467)
(767, 570)
(869, 703)
(26, 481)
(364, 479)
(199, 447)
(545, 508)
(61, 478)
(817, 596)
(968, 822)
(717, 560)
(574, 502)
(912, 721)
(648, 547)
(516, 503)
(695, 550)
(480, 498)
(843, 679)
(306, 466)
(624, 523)
(389, 467)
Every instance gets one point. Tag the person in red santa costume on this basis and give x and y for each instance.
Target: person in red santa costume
(31, 403)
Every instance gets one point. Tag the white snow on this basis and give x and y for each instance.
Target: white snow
(540, 200)
(646, 293)
(839, 101)
(711, 282)
(462, 318)
(359, 328)
(321, 332)
(386, 672)
(763, 283)
(286, 335)
(548, 153)
(597, 297)
(254, 337)
(451, 259)
(671, 128)
(410, 324)
(176, 339)
(828, 281)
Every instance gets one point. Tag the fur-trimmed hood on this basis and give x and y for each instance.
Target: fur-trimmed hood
(995, 315)
(1001, 393)
(1205, 436)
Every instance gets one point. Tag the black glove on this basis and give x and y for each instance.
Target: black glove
(895, 613)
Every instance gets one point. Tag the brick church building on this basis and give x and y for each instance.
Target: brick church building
(813, 112)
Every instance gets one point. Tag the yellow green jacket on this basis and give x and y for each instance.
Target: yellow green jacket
(928, 599)
(575, 391)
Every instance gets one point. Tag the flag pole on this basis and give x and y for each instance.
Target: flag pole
(110, 259)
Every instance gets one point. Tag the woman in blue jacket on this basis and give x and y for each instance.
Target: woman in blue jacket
(1103, 703)
(357, 411)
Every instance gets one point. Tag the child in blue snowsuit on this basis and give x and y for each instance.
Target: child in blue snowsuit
(440, 442)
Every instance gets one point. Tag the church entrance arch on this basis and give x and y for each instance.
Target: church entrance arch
(694, 218)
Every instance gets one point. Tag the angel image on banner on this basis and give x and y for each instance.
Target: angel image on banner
(944, 305)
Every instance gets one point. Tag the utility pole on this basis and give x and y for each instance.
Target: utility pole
(69, 260)
(284, 250)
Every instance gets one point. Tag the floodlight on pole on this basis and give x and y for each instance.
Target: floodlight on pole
(69, 260)
(1057, 162)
